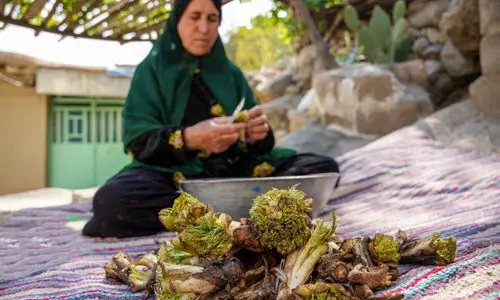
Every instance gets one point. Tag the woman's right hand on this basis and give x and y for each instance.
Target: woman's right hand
(215, 135)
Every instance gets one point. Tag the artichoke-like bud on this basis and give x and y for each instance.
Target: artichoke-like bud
(282, 217)
(241, 117)
(185, 211)
(209, 236)
(169, 253)
(384, 250)
(446, 249)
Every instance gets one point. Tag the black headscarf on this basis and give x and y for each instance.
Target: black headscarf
(180, 7)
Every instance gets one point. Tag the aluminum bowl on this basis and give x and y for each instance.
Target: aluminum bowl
(234, 196)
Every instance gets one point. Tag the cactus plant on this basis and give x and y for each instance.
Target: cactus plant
(398, 11)
(382, 42)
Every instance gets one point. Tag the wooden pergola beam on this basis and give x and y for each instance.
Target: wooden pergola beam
(95, 24)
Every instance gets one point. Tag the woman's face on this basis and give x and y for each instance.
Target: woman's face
(198, 26)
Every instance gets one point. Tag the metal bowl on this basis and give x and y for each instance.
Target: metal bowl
(234, 196)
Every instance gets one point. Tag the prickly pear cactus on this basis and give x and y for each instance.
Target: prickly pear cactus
(398, 11)
(380, 29)
(351, 19)
(382, 42)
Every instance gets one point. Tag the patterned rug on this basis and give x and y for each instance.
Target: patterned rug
(420, 186)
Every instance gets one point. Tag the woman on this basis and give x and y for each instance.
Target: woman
(176, 126)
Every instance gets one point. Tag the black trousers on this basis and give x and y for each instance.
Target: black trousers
(128, 205)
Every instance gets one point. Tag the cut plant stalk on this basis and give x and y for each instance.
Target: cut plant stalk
(323, 290)
(186, 279)
(331, 269)
(374, 278)
(263, 289)
(142, 271)
(431, 251)
(242, 117)
(119, 267)
(301, 264)
(308, 256)
(246, 235)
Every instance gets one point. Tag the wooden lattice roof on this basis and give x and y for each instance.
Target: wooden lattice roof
(116, 20)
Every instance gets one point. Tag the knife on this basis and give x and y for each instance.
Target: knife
(237, 110)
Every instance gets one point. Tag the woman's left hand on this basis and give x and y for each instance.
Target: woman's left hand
(256, 126)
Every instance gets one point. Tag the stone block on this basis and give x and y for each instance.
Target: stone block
(369, 99)
(434, 36)
(432, 68)
(432, 51)
(490, 54)
(411, 71)
(379, 120)
(489, 16)
(456, 63)
(485, 94)
(292, 90)
(419, 45)
(460, 24)
(428, 14)
(298, 119)
(275, 87)
(276, 111)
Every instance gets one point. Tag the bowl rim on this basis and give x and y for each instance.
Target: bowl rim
(260, 179)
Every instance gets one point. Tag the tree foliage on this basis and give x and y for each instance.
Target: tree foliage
(282, 13)
(264, 43)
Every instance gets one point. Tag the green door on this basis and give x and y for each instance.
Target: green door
(109, 157)
(85, 146)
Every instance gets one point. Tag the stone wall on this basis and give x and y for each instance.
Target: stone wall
(446, 40)
(485, 91)
(453, 42)
(281, 88)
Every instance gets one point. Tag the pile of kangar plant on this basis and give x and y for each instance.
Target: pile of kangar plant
(277, 253)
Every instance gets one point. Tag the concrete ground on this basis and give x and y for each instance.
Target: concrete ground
(462, 126)
(43, 198)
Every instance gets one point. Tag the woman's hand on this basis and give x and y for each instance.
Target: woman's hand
(214, 135)
(256, 126)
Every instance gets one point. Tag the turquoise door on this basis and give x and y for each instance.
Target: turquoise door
(85, 147)
(109, 157)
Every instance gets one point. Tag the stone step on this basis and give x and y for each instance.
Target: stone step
(489, 16)
(485, 94)
(490, 54)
